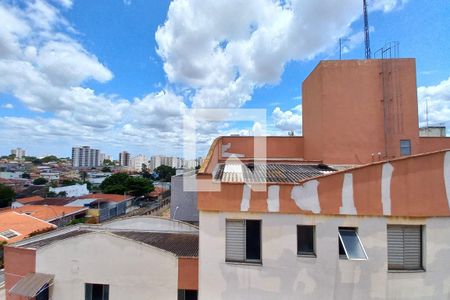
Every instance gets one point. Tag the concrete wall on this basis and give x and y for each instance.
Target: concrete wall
(183, 204)
(284, 275)
(143, 223)
(133, 270)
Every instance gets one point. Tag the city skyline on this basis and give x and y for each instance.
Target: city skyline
(121, 82)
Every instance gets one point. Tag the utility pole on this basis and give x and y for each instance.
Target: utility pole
(366, 30)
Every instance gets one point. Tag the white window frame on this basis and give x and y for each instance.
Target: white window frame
(359, 241)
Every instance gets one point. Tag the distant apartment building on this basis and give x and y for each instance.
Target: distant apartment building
(18, 152)
(103, 157)
(171, 161)
(138, 161)
(85, 157)
(124, 159)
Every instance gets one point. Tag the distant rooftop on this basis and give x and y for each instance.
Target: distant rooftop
(271, 172)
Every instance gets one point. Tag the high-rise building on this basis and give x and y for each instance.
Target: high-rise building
(85, 157)
(18, 152)
(124, 159)
(137, 162)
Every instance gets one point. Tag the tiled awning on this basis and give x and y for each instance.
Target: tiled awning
(31, 285)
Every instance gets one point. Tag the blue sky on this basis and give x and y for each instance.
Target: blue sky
(120, 75)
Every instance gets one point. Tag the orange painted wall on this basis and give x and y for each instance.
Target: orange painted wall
(429, 144)
(188, 273)
(18, 263)
(287, 147)
(417, 189)
(344, 115)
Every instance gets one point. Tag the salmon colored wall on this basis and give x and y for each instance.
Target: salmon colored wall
(344, 115)
(18, 263)
(417, 189)
(188, 273)
(276, 146)
(430, 144)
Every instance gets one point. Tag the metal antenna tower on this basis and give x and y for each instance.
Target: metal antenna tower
(366, 30)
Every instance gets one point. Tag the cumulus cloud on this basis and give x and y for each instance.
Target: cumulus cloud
(289, 120)
(224, 58)
(438, 98)
(7, 106)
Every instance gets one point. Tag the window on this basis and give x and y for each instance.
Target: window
(404, 247)
(96, 291)
(187, 295)
(405, 147)
(243, 241)
(305, 240)
(350, 246)
(9, 234)
(43, 294)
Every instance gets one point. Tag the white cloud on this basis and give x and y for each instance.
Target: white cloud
(386, 5)
(289, 120)
(438, 97)
(7, 106)
(224, 58)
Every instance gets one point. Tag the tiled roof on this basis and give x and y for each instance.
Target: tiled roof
(180, 244)
(48, 212)
(107, 197)
(29, 199)
(22, 224)
(274, 172)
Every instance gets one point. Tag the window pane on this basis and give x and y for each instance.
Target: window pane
(97, 292)
(405, 147)
(253, 240)
(88, 291)
(352, 246)
(305, 239)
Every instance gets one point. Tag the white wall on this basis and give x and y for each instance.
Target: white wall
(75, 190)
(133, 270)
(148, 223)
(284, 275)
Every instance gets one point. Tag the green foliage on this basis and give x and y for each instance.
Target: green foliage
(106, 169)
(108, 162)
(62, 194)
(121, 183)
(165, 173)
(26, 175)
(37, 161)
(77, 221)
(40, 181)
(67, 182)
(50, 158)
(51, 195)
(54, 183)
(6, 195)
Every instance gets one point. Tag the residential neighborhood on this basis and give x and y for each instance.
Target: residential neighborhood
(257, 150)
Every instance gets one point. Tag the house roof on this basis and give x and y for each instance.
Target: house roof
(22, 224)
(269, 172)
(107, 197)
(49, 212)
(27, 200)
(180, 244)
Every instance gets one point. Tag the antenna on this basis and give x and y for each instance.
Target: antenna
(366, 30)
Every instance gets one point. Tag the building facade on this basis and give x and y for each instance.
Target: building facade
(135, 258)
(137, 162)
(124, 159)
(18, 152)
(85, 157)
(355, 209)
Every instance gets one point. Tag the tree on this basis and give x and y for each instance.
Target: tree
(49, 159)
(108, 162)
(62, 194)
(40, 181)
(165, 173)
(106, 169)
(6, 195)
(67, 182)
(121, 183)
(26, 175)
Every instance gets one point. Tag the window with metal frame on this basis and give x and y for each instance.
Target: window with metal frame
(405, 147)
(404, 243)
(9, 234)
(243, 241)
(96, 291)
(306, 240)
(350, 246)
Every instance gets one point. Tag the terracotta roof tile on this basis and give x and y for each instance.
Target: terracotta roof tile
(48, 212)
(22, 224)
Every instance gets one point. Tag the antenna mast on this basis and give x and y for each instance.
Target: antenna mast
(366, 30)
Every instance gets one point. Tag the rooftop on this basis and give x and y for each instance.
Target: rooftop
(21, 226)
(270, 172)
(107, 197)
(48, 212)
